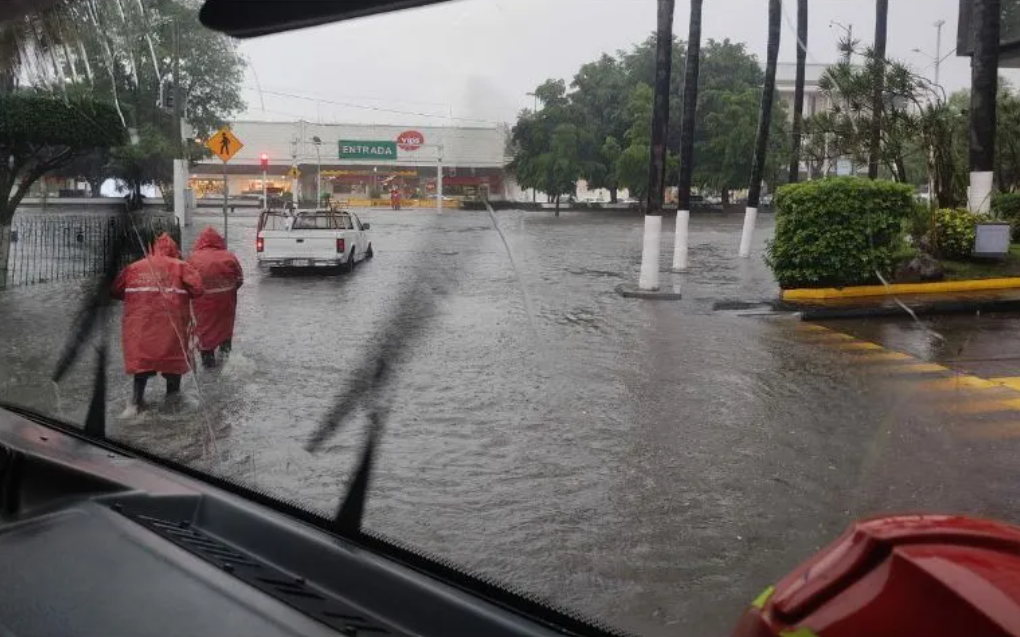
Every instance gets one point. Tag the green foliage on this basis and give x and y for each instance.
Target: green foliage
(43, 120)
(1006, 205)
(40, 133)
(838, 232)
(953, 231)
(919, 223)
(610, 101)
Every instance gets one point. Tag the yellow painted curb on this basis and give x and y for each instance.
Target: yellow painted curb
(972, 285)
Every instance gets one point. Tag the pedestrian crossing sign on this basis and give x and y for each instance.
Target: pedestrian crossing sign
(293, 173)
(224, 144)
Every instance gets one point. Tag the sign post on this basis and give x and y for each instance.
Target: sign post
(439, 179)
(224, 145)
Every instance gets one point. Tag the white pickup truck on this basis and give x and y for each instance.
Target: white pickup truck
(311, 239)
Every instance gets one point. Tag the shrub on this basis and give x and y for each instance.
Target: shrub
(1006, 206)
(953, 232)
(838, 232)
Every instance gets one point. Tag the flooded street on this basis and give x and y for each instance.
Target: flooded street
(654, 464)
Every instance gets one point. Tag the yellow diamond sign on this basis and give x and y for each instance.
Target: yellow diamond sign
(224, 144)
(294, 173)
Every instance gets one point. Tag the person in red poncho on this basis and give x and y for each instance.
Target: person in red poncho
(156, 327)
(215, 311)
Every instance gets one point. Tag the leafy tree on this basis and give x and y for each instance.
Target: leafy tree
(39, 134)
(551, 148)
(597, 89)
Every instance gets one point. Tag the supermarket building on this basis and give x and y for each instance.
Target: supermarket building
(359, 160)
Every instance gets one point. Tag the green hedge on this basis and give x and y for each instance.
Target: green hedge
(1006, 205)
(953, 231)
(838, 232)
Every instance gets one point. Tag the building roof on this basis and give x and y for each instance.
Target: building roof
(291, 142)
(786, 73)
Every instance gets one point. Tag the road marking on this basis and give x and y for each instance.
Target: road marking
(958, 382)
(989, 406)
(868, 357)
(917, 368)
(858, 345)
(1013, 382)
(965, 394)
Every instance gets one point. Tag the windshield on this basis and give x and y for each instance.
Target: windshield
(641, 384)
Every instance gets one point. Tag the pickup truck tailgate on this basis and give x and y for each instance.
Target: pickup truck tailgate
(295, 244)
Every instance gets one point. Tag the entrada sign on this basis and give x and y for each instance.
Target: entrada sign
(371, 150)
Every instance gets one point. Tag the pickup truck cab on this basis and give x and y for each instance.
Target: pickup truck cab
(311, 239)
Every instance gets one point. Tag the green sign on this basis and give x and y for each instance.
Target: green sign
(370, 150)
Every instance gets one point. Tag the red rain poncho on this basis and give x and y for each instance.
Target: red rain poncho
(156, 327)
(221, 276)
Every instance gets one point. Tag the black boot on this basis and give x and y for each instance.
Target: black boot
(138, 396)
(209, 359)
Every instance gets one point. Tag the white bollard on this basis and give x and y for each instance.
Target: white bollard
(683, 219)
(980, 193)
(649, 278)
(750, 216)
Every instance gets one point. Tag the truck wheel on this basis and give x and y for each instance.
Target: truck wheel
(351, 262)
(368, 253)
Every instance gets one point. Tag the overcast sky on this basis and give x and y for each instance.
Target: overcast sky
(474, 61)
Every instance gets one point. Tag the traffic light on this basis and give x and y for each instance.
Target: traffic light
(264, 161)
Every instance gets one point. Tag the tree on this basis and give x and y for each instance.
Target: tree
(846, 130)
(649, 276)
(984, 74)
(687, 121)
(598, 87)
(724, 159)
(550, 147)
(132, 70)
(798, 91)
(764, 123)
(41, 133)
(878, 94)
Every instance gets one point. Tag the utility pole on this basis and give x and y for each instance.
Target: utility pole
(938, 49)
(439, 179)
(180, 164)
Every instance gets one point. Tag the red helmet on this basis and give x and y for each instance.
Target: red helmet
(902, 576)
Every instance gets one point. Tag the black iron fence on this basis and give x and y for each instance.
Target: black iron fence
(44, 249)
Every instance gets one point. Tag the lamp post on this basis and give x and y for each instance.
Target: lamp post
(938, 58)
(318, 170)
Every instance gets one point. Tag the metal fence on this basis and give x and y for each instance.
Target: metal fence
(44, 249)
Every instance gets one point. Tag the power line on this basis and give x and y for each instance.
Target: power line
(378, 109)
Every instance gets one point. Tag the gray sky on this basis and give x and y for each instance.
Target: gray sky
(477, 59)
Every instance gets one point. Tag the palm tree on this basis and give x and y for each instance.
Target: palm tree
(683, 213)
(798, 91)
(875, 145)
(764, 121)
(649, 277)
(984, 75)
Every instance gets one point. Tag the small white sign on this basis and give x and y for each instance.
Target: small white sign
(843, 167)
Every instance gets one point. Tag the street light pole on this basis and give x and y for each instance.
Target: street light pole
(318, 169)
(938, 49)
(849, 30)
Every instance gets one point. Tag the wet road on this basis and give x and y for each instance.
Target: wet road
(655, 464)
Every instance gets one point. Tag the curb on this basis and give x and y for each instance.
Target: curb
(927, 309)
(631, 291)
(854, 291)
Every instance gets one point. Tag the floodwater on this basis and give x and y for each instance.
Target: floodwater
(656, 464)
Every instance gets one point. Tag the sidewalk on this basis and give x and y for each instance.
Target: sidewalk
(1004, 300)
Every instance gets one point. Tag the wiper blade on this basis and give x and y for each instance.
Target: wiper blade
(92, 317)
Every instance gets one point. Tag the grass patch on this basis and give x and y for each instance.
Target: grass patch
(985, 268)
